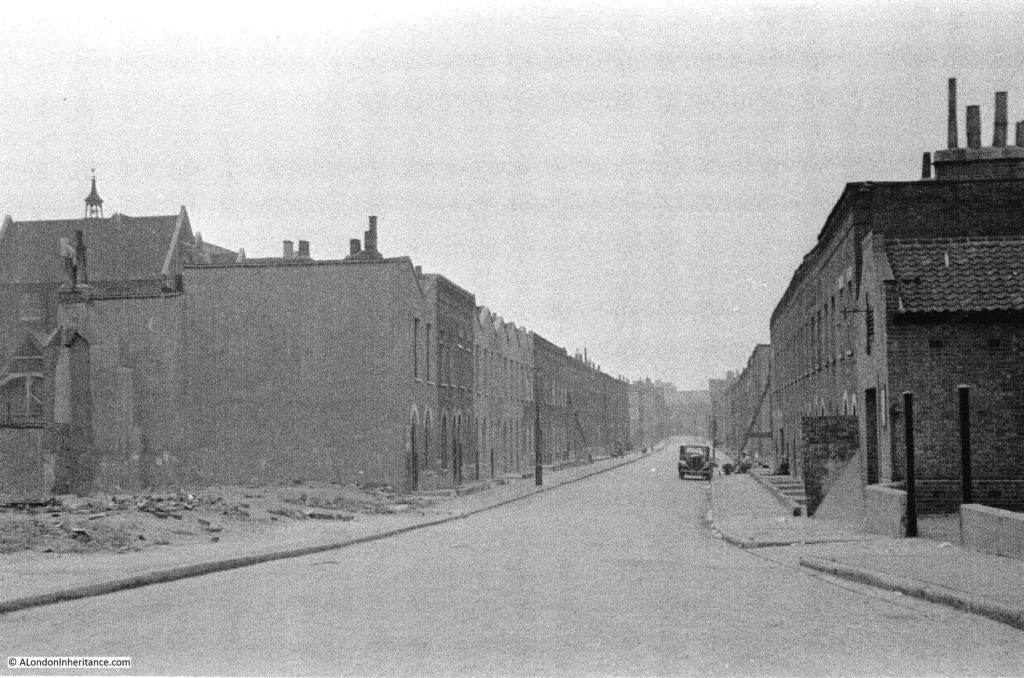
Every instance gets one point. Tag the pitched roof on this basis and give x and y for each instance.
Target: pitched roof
(958, 274)
(118, 248)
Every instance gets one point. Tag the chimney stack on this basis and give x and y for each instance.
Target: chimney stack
(371, 236)
(1020, 133)
(953, 142)
(82, 273)
(926, 166)
(973, 127)
(999, 134)
(354, 246)
(303, 249)
(289, 252)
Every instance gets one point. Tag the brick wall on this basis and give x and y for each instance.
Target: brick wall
(814, 365)
(827, 444)
(930, 357)
(27, 459)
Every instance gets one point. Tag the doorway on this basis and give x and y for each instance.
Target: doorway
(871, 438)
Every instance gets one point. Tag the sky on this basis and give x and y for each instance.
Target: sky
(639, 179)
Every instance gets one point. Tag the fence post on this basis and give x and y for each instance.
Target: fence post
(966, 489)
(908, 407)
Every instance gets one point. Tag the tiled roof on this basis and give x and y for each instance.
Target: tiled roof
(118, 248)
(958, 274)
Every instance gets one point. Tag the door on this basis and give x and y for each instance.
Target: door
(871, 439)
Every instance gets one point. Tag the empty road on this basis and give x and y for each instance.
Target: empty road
(615, 574)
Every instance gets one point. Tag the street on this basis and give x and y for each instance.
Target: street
(616, 574)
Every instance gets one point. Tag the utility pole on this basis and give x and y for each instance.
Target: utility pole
(967, 490)
(908, 406)
(538, 468)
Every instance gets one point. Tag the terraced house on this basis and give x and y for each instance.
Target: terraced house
(137, 356)
(832, 399)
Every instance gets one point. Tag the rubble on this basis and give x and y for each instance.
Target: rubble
(133, 521)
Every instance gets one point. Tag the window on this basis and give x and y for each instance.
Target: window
(30, 307)
(935, 344)
(416, 348)
(427, 352)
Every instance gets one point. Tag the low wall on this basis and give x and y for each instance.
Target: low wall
(885, 510)
(992, 530)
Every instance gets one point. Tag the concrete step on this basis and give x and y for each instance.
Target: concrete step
(786, 488)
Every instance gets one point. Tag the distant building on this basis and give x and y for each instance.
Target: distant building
(749, 411)
(721, 427)
(648, 413)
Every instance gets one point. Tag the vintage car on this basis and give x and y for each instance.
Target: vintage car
(695, 460)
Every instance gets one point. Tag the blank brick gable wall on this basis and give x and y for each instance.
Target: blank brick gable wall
(301, 371)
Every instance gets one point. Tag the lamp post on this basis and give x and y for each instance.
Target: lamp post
(538, 468)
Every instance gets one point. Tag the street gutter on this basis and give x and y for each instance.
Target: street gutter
(209, 567)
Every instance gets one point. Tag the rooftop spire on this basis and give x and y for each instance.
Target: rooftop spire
(93, 203)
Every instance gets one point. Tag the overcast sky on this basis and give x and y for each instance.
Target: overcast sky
(640, 179)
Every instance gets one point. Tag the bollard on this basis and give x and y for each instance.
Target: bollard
(966, 491)
(908, 406)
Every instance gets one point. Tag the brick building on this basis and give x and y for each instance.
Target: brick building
(503, 403)
(720, 428)
(816, 327)
(249, 373)
(749, 411)
(99, 255)
(945, 312)
(648, 413)
(451, 336)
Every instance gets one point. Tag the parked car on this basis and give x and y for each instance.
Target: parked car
(695, 460)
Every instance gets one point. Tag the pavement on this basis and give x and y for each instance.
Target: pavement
(31, 579)
(745, 514)
(614, 575)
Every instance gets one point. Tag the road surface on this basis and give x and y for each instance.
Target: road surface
(615, 574)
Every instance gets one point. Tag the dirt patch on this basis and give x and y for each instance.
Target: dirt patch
(131, 522)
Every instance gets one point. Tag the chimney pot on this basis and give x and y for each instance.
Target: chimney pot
(926, 166)
(974, 127)
(304, 249)
(952, 127)
(999, 134)
(354, 246)
(371, 236)
(289, 251)
(82, 271)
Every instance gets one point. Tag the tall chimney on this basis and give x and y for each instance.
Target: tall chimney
(926, 166)
(973, 127)
(371, 236)
(953, 143)
(1020, 133)
(303, 249)
(999, 134)
(354, 246)
(82, 275)
(289, 251)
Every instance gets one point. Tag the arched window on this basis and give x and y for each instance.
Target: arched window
(427, 425)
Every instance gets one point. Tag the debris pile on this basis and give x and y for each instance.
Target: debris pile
(128, 522)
